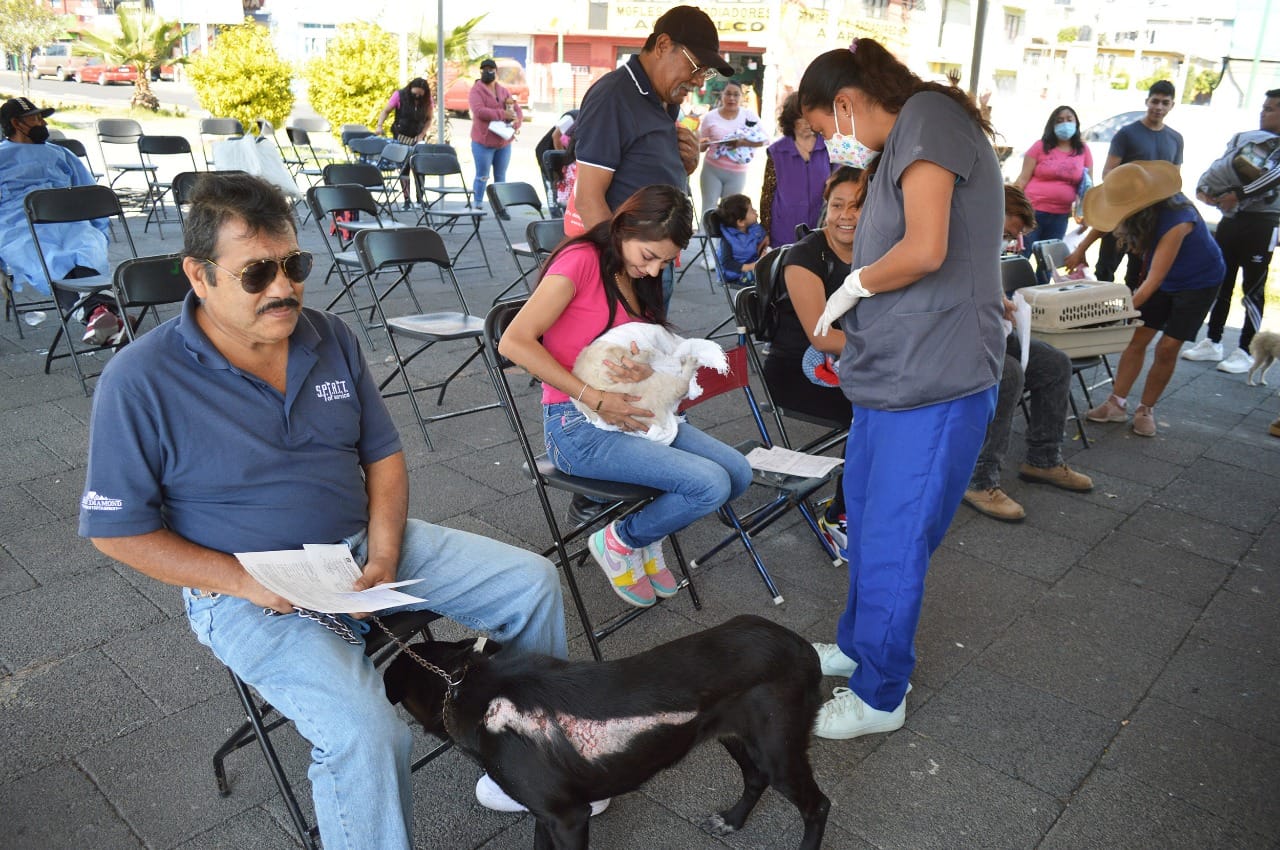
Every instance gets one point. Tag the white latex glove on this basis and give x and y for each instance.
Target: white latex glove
(841, 302)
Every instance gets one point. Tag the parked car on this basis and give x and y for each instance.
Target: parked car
(458, 85)
(55, 60)
(96, 70)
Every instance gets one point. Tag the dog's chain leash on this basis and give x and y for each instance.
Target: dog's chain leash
(332, 622)
(409, 651)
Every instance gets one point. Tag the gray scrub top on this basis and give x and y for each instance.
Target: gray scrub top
(940, 338)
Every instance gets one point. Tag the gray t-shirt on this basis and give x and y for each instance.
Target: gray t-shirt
(940, 338)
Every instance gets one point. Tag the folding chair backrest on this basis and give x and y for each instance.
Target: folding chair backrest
(163, 145)
(311, 125)
(74, 145)
(1052, 254)
(713, 383)
(434, 147)
(343, 197)
(357, 173)
(368, 146)
(393, 156)
(504, 196)
(76, 203)
(151, 281)
(221, 127)
(401, 246)
(1015, 273)
(118, 131)
(435, 164)
(545, 235)
(711, 224)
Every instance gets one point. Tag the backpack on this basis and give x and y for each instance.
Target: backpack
(770, 291)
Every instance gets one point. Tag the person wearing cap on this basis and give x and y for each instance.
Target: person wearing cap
(74, 249)
(491, 104)
(626, 135)
(1142, 205)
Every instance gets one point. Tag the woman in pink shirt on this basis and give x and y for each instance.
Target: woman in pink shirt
(729, 134)
(491, 104)
(1052, 170)
(606, 277)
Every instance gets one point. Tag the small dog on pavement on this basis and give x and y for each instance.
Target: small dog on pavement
(1265, 348)
(556, 734)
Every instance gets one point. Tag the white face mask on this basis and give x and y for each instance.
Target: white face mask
(847, 150)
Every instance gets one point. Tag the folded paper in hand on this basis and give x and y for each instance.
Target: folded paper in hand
(319, 577)
(787, 462)
(501, 128)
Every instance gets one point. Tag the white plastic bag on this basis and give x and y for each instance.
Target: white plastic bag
(254, 155)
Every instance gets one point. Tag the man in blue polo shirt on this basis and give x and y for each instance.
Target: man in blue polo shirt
(249, 423)
(626, 135)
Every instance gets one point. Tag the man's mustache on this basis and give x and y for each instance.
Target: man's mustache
(278, 303)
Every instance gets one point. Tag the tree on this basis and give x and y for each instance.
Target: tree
(357, 73)
(25, 26)
(1068, 35)
(457, 50)
(243, 77)
(145, 41)
(1200, 85)
(1161, 73)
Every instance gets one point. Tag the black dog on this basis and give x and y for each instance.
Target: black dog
(557, 734)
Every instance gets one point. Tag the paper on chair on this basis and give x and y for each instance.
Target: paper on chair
(319, 577)
(1022, 324)
(788, 462)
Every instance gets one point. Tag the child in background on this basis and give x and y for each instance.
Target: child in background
(1182, 267)
(743, 240)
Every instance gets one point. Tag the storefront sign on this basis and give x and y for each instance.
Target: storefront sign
(744, 20)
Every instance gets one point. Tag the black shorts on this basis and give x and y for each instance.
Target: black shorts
(1179, 314)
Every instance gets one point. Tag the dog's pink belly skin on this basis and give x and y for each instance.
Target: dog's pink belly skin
(592, 739)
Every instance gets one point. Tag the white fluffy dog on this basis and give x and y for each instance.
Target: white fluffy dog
(675, 362)
(1265, 348)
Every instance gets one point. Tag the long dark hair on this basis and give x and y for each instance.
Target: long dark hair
(881, 78)
(652, 214)
(1050, 139)
(1140, 227)
(417, 83)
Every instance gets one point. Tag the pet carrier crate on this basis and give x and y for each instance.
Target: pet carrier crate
(1082, 318)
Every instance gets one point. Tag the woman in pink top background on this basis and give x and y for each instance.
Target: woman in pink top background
(729, 135)
(1052, 169)
(489, 100)
(606, 277)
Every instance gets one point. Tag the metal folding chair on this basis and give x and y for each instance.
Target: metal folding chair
(706, 250)
(149, 283)
(399, 251)
(261, 719)
(439, 212)
(217, 130)
(160, 182)
(616, 500)
(117, 133)
(504, 198)
(77, 147)
(52, 207)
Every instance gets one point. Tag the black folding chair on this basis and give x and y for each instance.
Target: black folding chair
(117, 133)
(439, 212)
(216, 130)
(64, 206)
(706, 250)
(77, 147)
(152, 149)
(149, 283)
(521, 198)
(400, 250)
(363, 174)
(544, 237)
(261, 719)
(616, 500)
(553, 162)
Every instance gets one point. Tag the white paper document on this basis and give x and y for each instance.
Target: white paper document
(787, 462)
(1022, 324)
(319, 577)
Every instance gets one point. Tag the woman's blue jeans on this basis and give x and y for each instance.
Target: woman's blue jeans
(1048, 226)
(697, 473)
(485, 158)
(359, 744)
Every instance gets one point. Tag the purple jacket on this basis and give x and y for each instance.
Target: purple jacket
(798, 195)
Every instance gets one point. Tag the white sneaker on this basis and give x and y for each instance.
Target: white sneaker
(1205, 349)
(845, 716)
(1237, 362)
(834, 662)
(490, 795)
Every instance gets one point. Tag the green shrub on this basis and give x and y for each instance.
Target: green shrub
(243, 77)
(351, 83)
(1120, 80)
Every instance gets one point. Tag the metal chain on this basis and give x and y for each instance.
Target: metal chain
(330, 621)
(409, 651)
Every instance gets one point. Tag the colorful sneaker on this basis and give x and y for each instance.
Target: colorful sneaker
(623, 567)
(1205, 349)
(1109, 411)
(837, 534)
(1144, 421)
(655, 568)
(1237, 362)
(845, 716)
(101, 327)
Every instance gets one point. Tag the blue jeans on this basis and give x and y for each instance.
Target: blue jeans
(1048, 226)
(359, 745)
(904, 475)
(486, 158)
(697, 473)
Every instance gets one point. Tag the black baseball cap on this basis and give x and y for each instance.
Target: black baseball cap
(691, 27)
(489, 63)
(20, 107)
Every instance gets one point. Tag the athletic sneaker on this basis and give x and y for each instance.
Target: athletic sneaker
(101, 327)
(845, 715)
(1144, 421)
(1205, 349)
(655, 568)
(490, 795)
(834, 662)
(1237, 362)
(623, 567)
(1109, 411)
(837, 534)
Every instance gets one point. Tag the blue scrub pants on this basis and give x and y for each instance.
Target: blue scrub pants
(904, 475)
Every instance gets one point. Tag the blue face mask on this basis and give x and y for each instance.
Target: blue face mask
(847, 150)
(1065, 130)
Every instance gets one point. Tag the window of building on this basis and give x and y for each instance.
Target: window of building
(1013, 21)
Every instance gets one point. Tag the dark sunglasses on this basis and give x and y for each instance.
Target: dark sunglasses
(258, 275)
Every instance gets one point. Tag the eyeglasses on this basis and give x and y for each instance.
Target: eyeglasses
(698, 72)
(259, 274)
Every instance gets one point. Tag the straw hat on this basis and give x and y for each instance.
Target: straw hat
(1127, 189)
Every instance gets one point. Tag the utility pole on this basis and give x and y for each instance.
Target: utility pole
(979, 31)
(1257, 52)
